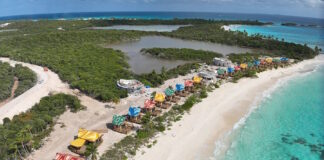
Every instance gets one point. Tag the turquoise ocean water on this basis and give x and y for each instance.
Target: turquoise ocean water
(289, 124)
(312, 36)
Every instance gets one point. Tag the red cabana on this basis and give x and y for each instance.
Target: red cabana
(149, 104)
(64, 156)
(188, 83)
(237, 68)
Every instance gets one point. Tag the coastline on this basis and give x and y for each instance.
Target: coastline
(210, 121)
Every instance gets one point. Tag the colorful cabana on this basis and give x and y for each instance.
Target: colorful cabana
(250, 64)
(284, 59)
(179, 87)
(243, 65)
(64, 156)
(237, 68)
(276, 60)
(268, 60)
(149, 104)
(159, 97)
(188, 83)
(197, 79)
(169, 92)
(134, 111)
(262, 62)
(257, 63)
(230, 70)
(118, 120)
(85, 135)
(221, 71)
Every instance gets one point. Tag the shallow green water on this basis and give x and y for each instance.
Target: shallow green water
(289, 124)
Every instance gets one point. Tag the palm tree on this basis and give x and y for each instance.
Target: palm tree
(92, 152)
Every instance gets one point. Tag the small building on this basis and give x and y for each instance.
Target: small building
(222, 62)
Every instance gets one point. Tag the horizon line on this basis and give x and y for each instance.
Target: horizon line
(17, 15)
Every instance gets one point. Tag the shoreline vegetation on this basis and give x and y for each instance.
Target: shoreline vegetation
(24, 75)
(25, 132)
(76, 54)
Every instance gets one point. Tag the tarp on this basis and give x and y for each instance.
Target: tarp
(64, 156)
(257, 62)
(159, 97)
(179, 87)
(188, 83)
(118, 120)
(169, 92)
(149, 104)
(78, 142)
(243, 65)
(268, 60)
(220, 71)
(134, 111)
(88, 135)
(230, 70)
(250, 64)
(197, 79)
(237, 68)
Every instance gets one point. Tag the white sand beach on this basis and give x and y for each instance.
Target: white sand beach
(211, 120)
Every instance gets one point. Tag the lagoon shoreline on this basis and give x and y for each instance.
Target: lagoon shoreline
(210, 121)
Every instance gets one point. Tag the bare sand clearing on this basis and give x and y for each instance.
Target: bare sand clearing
(195, 135)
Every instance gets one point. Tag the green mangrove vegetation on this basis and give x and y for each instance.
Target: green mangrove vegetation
(26, 79)
(182, 54)
(25, 132)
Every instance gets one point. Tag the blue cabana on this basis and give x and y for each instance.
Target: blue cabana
(284, 59)
(134, 111)
(230, 70)
(179, 87)
(257, 62)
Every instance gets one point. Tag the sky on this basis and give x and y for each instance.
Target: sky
(304, 8)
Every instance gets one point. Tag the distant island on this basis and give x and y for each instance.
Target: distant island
(289, 24)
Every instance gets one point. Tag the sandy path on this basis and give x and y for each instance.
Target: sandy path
(195, 135)
(12, 94)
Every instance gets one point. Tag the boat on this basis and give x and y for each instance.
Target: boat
(130, 85)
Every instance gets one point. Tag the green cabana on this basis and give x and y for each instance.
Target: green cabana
(220, 71)
(250, 64)
(118, 120)
(169, 92)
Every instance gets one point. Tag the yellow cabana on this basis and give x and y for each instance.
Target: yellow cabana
(243, 66)
(268, 60)
(159, 97)
(88, 135)
(197, 79)
(78, 143)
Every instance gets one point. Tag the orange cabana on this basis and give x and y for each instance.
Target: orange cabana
(243, 66)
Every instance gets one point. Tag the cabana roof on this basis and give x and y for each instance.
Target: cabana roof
(250, 64)
(78, 142)
(230, 70)
(237, 68)
(64, 156)
(220, 71)
(197, 79)
(243, 65)
(188, 83)
(180, 87)
(159, 97)
(118, 120)
(149, 104)
(134, 111)
(268, 60)
(257, 62)
(169, 92)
